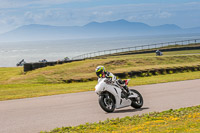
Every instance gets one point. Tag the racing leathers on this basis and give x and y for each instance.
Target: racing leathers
(120, 82)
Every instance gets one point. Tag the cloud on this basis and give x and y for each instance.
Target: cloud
(191, 4)
(164, 15)
(107, 13)
(44, 12)
(24, 3)
(8, 23)
(131, 12)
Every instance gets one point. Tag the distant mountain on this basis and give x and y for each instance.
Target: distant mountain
(92, 30)
(194, 30)
(168, 27)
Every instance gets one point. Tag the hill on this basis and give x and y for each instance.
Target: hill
(51, 80)
(117, 28)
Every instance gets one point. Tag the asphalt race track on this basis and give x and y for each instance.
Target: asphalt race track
(33, 115)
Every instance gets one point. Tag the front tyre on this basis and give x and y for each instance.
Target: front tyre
(138, 101)
(106, 101)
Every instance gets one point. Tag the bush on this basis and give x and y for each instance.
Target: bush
(156, 73)
(85, 80)
(170, 71)
(164, 72)
(143, 74)
(149, 74)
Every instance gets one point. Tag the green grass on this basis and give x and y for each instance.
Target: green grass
(7, 73)
(14, 84)
(185, 120)
(16, 91)
(85, 69)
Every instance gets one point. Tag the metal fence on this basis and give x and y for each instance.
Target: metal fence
(136, 48)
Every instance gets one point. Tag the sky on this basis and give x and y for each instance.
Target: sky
(16, 13)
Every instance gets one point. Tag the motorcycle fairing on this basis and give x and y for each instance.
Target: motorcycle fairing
(115, 91)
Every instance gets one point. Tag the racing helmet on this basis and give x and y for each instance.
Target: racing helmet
(100, 70)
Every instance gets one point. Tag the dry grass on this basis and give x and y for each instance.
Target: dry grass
(7, 73)
(50, 80)
(85, 69)
(16, 91)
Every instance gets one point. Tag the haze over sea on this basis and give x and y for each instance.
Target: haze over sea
(12, 53)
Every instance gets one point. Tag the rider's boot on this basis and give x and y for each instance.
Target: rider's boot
(123, 84)
(128, 92)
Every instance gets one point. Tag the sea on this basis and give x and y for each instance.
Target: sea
(34, 51)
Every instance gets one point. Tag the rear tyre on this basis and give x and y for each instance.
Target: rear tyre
(137, 102)
(107, 102)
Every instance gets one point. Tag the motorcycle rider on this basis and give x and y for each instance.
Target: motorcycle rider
(102, 73)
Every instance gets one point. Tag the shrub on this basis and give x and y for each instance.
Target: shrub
(85, 80)
(149, 74)
(143, 74)
(170, 71)
(164, 72)
(156, 73)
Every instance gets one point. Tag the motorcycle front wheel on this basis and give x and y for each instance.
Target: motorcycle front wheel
(106, 101)
(138, 101)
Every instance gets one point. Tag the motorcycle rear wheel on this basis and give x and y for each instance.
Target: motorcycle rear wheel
(137, 102)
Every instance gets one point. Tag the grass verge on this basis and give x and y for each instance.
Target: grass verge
(85, 69)
(170, 121)
(17, 91)
(14, 84)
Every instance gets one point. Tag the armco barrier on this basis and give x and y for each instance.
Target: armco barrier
(123, 51)
(135, 49)
(50, 63)
(28, 67)
(153, 51)
(33, 66)
(36, 65)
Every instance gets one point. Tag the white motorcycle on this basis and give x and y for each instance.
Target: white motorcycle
(112, 96)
